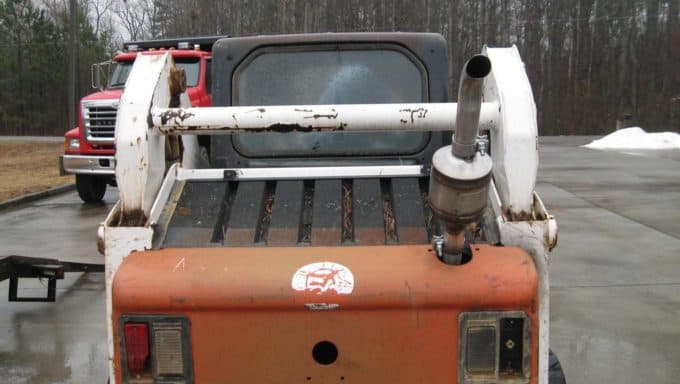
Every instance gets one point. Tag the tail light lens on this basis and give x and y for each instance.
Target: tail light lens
(155, 349)
(136, 347)
(494, 347)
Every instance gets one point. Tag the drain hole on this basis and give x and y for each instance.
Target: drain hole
(325, 352)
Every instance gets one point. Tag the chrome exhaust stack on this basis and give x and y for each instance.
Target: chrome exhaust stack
(461, 172)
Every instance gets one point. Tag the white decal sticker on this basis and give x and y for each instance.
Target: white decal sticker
(321, 306)
(323, 277)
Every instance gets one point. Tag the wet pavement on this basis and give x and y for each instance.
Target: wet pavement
(62, 342)
(615, 273)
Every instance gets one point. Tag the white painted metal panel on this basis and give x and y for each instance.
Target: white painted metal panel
(140, 152)
(118, 243)
(514, 138)
(536, 237)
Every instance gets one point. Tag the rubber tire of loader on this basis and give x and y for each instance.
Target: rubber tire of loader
(555, 372)
(91, 188)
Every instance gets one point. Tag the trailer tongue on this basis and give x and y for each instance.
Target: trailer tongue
(22, 267)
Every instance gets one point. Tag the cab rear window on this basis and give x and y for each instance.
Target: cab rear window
(352, 76)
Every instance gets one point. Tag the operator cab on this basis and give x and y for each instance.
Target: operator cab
(315, 69)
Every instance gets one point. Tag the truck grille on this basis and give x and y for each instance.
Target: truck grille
(99, 120)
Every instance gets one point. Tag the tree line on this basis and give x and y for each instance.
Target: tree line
(590, 62)
(33, 71)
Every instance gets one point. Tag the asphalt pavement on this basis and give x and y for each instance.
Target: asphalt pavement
(62, 342)
(615, 274)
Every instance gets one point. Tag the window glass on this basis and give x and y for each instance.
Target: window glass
(191, 67)
(120, 74)
(328, 77)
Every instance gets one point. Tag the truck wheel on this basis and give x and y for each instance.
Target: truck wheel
(555, 372)
(90, 188)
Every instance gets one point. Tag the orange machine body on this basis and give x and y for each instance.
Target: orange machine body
(398, 320)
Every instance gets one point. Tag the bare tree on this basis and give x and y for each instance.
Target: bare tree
(135, 17)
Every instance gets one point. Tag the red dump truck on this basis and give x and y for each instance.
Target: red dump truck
(322, 225)
(89, 148)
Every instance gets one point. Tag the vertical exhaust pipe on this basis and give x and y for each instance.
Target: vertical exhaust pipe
(460, 174)
(469, 104)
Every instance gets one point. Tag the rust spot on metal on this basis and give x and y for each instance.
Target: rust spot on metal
(177, 82)
(317, 116)
(260, 110)
(519, 216)
(176, 115)
(181, 115)
(132, 218)
(262, 228)
(419, 113)
(183, 211)
(101, 245)
(284, 128)
(389, 218)
(347, 217)
(328, 116)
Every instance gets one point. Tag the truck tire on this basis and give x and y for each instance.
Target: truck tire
(91, 188)
(555, 372)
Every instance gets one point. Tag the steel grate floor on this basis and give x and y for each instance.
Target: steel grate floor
(297, 212)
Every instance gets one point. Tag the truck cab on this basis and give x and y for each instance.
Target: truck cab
(89, 148)
(337, 233)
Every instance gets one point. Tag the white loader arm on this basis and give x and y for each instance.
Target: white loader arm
(514, 147)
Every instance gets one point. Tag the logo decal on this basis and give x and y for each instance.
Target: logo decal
(323, 277)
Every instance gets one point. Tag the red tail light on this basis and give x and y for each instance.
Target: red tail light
(136, 347)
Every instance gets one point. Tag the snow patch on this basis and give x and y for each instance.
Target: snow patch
(637, 138)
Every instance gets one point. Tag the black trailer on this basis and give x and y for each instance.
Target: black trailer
(15, 267)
